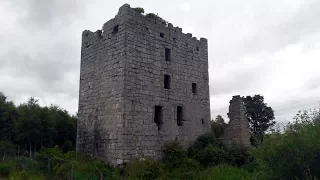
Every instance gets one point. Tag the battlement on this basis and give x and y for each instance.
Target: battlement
(126, 14)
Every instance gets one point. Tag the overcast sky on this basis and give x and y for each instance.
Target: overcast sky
(268, 47)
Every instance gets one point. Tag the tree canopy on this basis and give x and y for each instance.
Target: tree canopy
(30, 127)
(259, 114)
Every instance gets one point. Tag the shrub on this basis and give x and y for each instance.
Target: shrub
(200, 143)
(211, 156)
(151, 15)
(238, 156)
(187, 169)
(7, 149)
(292, 155)
(174, 153)
(207, 150)
(139, 10)
(141, 169)
(25, 175)
(5, 168)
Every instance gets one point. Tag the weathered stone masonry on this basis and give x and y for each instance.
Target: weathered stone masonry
(142, 83)
(237, 131)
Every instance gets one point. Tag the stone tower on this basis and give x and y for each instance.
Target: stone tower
(142, 83)
(237, 131)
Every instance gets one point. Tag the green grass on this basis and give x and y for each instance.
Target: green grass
(225, 172)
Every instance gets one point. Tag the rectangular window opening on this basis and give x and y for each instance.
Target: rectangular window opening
(197, 48)
(194, 88)
(167, 80)
(158, 116)
(162, 35)
(116, 29)
(202, 121)
(180, 116)
(168, 54)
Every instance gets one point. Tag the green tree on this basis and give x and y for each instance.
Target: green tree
(217, 126)
(259, 115)
(65, 128)
(28, 124)
(219, 119)
(8, 113)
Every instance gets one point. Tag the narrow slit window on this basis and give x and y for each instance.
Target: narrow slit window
(194, 88)
(202, 121)
(116, 29)
(158, 116)
(167, 81)
(168, 54)
(197, 48)
(180, 116)
(162, 35)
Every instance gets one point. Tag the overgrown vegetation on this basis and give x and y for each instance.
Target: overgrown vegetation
(293, 154)
(139, 10)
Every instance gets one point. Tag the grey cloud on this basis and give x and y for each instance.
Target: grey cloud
(41, 55)
(48, 12)
(293, 29)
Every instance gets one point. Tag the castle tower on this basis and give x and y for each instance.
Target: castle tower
(238, 129)
(142, 83)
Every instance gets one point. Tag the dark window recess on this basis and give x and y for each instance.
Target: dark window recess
(194, 88)
(167, 80)
(162, 35)
(180, 116)
(174, 39)
(202, 121)
(116, 29)
(158, 116)
(97, 147)
(168, 54)
(197, 48)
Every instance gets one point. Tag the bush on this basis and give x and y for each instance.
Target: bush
(292, 155)
(24, 175)
(238, 156)
(226, 172)
(210, 151)
(211, 155)
(5, 168)
(64, 165)
(187, 169)
(141, 169)
(201, 142)
(173, 153)
(7, 149)
(139, 10)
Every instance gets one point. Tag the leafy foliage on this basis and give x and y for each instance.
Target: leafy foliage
(144, 169)
(260, 117)
(226, 172)
(294, 154)
(218, 126)
(139, 10)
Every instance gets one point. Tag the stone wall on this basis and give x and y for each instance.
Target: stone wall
(123, 68)
(237, 131)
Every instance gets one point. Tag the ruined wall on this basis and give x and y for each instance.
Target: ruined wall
(237, 131)
(100, 124)
(122, 82)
